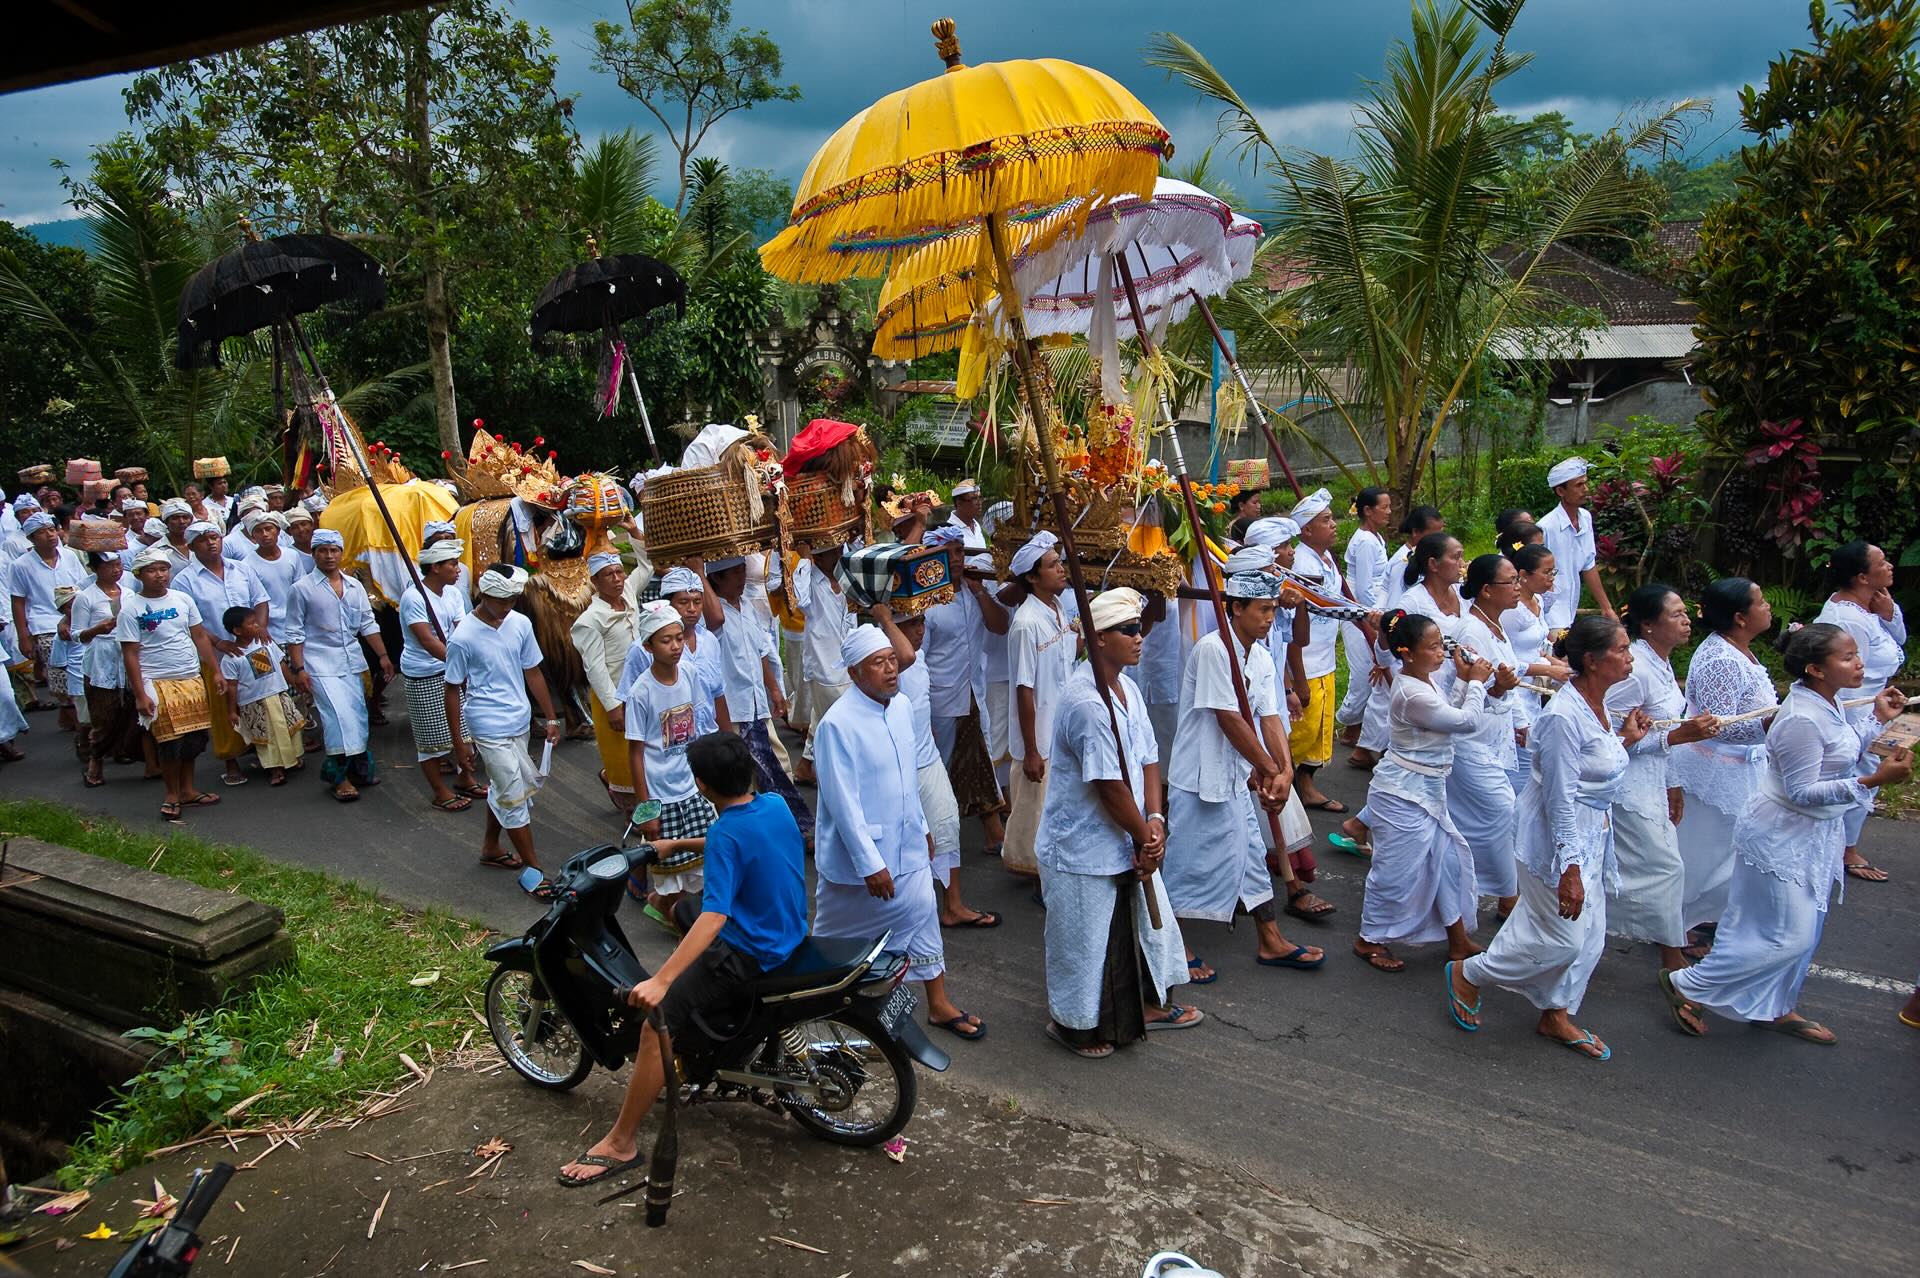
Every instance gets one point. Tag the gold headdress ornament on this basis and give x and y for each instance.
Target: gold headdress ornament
(496, 468)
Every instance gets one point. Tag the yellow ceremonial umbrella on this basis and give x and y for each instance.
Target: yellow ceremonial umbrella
(976, 146)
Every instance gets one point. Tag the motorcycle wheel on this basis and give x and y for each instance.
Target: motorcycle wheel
(535, 1040)
(873, 1072)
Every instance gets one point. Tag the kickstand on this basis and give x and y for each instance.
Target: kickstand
(622, 1193)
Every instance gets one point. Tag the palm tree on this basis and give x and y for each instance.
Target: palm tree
(1417, 255)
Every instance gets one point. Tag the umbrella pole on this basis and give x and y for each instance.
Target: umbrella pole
(287, 449)
(1043, 409)
(1220, 620)
(358, 452)
(1253, 400)
(646, 423)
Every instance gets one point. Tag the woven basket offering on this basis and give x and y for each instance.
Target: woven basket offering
(97, 534)
(130, 475)
(96, 490)
(703, 513)
(32, 476)
(818, 515)
(80, 470)
(210, 467)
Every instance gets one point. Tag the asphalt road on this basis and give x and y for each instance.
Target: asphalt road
(1345, 1088)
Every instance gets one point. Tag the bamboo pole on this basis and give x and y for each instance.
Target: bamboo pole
(1043, 408)
(1253, 400)
(1220, 619)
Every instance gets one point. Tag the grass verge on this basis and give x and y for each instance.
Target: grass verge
(321, 1033)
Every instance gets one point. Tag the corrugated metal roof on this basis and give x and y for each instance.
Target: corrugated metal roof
(1631, 341)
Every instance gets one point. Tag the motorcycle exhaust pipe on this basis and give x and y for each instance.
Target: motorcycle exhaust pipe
(666, 1146)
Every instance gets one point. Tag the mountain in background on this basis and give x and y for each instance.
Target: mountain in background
(67, 232)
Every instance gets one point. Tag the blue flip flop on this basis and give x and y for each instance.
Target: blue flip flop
(1454, 1005)
(1197, 961)
(1580, 1044)
(1292, 960)
(1341, 843)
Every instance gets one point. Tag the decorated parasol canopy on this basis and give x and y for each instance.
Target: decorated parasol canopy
(1008, 140)
(604, 292)
(267, 281)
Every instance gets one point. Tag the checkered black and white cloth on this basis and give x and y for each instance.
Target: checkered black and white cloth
(868, 574)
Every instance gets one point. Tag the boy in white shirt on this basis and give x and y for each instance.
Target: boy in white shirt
(259, 708)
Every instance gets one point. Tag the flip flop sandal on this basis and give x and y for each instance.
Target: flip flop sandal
(279, 781)
(653, 912)
(90, 782)
(1454, 1004)
(1095, 1052)
(1197, 961)
(1908, 1020)
(1801, 1029)
(1352, 847)
(613, 1167)
(957, 1025)
(170, 811)
(1173, 1022)
(1312, 916)
(1333, 806)
(471, 791)
(338, 797)
(984, 918)
(1858, 870)
(503, 861)
(1292, 960)
(1582, 1043)
(1678, 1003)
(1381, 960)
(458, 803)
(226, 780)
(203, 800)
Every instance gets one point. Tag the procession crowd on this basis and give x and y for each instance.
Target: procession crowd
(1138, 763)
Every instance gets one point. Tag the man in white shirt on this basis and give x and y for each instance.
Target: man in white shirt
(1216, 855)
(493, 663)
(31, 580)
(1041, 645)
(327, 616)
(748, 675)
(1568, 530)
(1311, 737)
(967, 503)
(955, 653)
(875, 853)
(218, 503)
(816, 592)
(216, 585)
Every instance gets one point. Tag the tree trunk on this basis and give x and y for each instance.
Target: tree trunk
(439, 314)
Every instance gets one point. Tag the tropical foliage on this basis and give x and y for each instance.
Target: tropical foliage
(1418, 256)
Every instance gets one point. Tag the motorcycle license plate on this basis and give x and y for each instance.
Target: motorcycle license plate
(899, 1007)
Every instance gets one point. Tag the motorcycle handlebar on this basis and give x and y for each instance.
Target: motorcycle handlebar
(202, 1194)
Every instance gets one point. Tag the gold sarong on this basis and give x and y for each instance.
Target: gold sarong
(180, 708)
(613, 749)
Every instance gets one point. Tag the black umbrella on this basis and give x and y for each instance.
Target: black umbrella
(601, 292)
(268, 281)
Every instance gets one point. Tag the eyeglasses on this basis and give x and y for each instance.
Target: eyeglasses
(1130, 629)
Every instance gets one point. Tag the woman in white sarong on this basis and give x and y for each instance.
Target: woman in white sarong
(1526, 627)
(1648, 904)
(1366, 565)
(1420, 884)
(1480, 786)
(1789, 845)
(1547, 950)
(1861, 578)
(1720, 777)
(1420, 521)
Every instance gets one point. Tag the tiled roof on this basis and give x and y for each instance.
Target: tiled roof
(1679, 238)
(1621, 297)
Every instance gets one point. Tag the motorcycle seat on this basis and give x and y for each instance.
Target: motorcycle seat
(817, 964)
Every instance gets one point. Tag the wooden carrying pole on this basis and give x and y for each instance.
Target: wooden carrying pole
(1213, 583)
(1042, 407)
(1239, 374)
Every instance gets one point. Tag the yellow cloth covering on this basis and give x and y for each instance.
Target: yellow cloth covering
(370, 552)
(180, 707)
(1310, 740)
(227, 744)
(613, 750)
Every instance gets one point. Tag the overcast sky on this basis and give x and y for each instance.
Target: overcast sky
(1300, 62)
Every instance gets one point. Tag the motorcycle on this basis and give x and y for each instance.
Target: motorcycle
(169, 1251)
(828, 1037)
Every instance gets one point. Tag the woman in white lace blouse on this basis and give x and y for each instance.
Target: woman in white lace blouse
(1480, 791)
(1718, 778)
(1526, 627)
(1420, 884)
(1547, 950)
(1647, 906)
(1789, 844)
(1861, 578)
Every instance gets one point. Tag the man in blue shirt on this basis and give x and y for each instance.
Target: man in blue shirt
(753, 916)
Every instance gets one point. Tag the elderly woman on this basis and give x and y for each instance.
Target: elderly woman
(1861, 578)
(602, 634)
(1789, 845)
(427, 623)
(1652, 874)
(1719, 777)
(327, 615)
(1548, 948)
(165, 648)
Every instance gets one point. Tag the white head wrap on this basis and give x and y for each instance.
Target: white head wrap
(1310, 505)
(25, 502)
(133, 504)
(317, 502)
(1570, 468)
(596, 564)
(1252, 585)
(297, 515)
(678, 579)
(653, 618)
(982, 562)
(965, 488)
(862, 643)
(494, 582)
(256, 501)
(200, 528)
(1248, 559)
(1116, 607)
(441, 551)
(35, 522)
(437, 528)
(154, 554)
(175, 506)
(329, 537)
(153, 530)
(1274, 530)
(1025, 558)
(252, 520)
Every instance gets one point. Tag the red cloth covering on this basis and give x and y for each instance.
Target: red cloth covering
(821, 436)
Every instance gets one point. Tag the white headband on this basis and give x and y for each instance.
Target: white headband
(503, 585)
